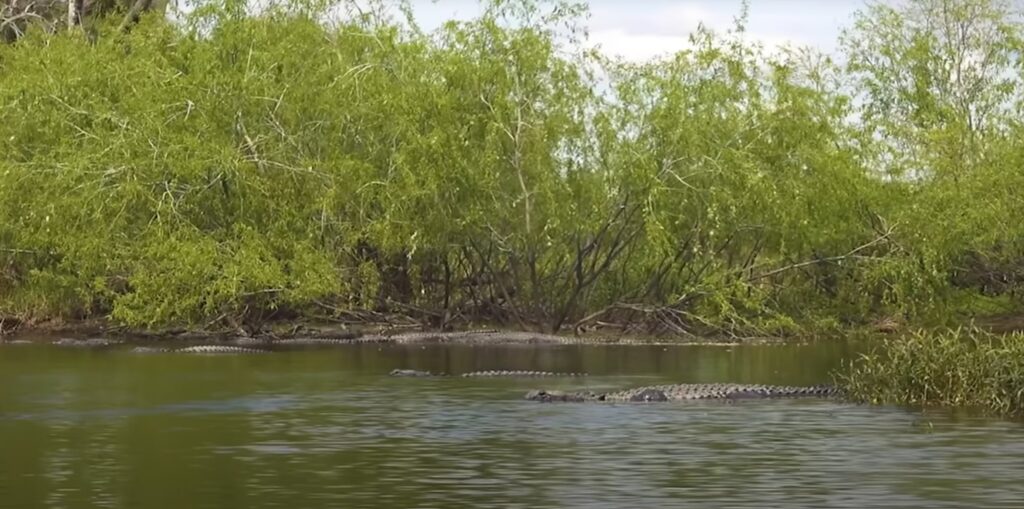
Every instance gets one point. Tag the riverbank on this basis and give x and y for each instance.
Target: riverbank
(1005, 323)
(11, 329)
(295, 331)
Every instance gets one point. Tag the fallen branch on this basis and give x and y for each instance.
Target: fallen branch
(23, 251)
(367, 317)
(850, 255)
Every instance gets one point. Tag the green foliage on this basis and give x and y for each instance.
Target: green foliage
(940, 84)
(938, 77)
(236, 166)
(955, 368)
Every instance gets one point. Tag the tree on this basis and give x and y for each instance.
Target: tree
(937, 78)
(17, 15)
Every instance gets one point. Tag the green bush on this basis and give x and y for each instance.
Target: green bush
(964, 368)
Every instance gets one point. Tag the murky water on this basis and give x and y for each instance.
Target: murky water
(329, 429)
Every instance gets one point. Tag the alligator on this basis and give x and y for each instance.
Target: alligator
(482, 374)
(200, 349)
(684, 392)
(500, 337)
(86, 343)
(403, 338)
(471, 337)
(296, 342)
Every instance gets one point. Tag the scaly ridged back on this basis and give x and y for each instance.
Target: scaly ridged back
(218, 349)
(684, 392)
(513, 373)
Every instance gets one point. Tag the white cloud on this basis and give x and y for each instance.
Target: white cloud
(641, 30)
(667, 20)
(637, 48)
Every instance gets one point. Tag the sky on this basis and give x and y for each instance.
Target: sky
(639, 30)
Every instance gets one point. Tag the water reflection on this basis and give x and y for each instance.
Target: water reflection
(328, 429)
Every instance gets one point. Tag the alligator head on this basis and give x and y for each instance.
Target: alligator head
(550, 396)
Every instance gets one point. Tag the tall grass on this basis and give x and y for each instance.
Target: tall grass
(963, 368)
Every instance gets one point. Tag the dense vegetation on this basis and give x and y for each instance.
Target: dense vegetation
(971, 368)
(312, 160)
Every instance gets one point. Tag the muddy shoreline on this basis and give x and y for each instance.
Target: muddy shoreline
(13, 330)
(69, 333)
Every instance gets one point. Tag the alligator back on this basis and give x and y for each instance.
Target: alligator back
(680, 392)
(483, 374)
(686, 392)
(517, 373)
(217, 349)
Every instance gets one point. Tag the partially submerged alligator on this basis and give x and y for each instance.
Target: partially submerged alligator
(485, 374)
(202, 349)
(86, 343)
(686, 392)
(102, 343)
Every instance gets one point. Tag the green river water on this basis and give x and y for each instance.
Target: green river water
(329, 428)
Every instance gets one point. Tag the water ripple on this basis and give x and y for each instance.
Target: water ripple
(317, 430)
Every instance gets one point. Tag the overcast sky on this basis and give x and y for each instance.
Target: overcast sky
(641, 29)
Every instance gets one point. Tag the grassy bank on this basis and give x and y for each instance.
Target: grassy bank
(238, 167)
